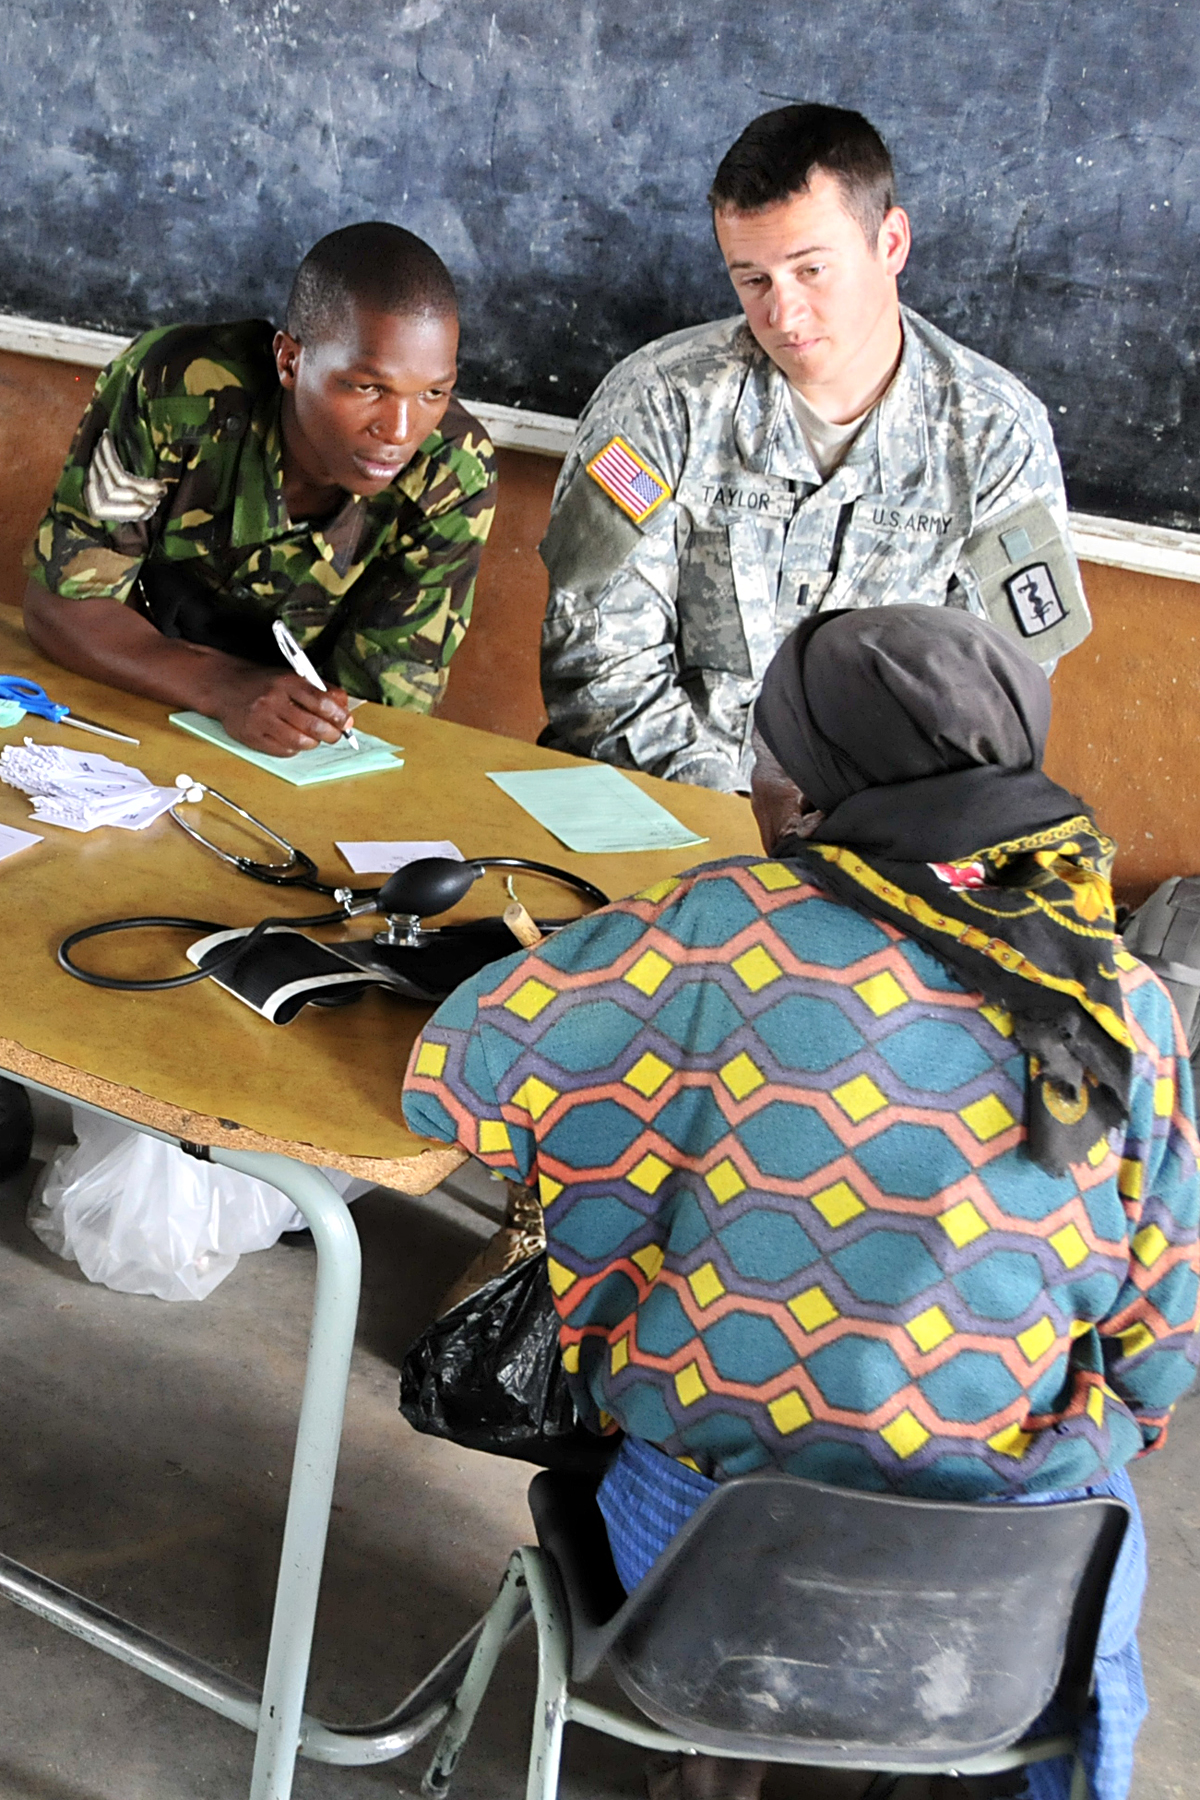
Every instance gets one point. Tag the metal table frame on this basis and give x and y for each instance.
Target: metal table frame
(282, 1728)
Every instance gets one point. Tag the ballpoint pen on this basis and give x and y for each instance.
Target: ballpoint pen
(304, 668)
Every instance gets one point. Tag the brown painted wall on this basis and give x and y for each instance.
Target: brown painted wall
(1126, 702)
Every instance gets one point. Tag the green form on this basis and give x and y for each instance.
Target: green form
(595, 809)
(328, 762)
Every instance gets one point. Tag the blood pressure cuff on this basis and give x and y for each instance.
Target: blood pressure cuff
(1028, 581)
(284, 970)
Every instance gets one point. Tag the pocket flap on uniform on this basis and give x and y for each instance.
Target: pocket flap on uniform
(180, 419)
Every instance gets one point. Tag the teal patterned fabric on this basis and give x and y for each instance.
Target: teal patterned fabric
(790, 1214)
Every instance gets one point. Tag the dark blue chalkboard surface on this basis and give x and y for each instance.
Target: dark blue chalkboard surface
(171, 159)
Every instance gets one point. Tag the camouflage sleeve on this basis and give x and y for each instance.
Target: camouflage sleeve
(610, 667)
(92, 540)
(1021, 511)
(1020, 464)
(409, 611)
(1148, 1338)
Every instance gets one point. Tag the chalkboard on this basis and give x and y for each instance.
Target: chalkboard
(173, 161)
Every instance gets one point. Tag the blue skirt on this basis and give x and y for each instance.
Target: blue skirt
(646, 1497)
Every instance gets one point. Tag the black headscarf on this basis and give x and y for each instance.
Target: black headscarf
(918, 732)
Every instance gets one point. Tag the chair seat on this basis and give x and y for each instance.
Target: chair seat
(793, 1619)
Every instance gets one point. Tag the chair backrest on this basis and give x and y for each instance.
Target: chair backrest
(789, 1617)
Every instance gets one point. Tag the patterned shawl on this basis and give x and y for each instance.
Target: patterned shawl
(918, 733)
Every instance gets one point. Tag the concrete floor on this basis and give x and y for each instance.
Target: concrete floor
(144, 1450)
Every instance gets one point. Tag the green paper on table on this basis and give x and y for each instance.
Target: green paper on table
(328, 762)
(594, 808)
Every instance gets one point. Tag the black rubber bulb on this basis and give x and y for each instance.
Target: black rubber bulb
(433, 884)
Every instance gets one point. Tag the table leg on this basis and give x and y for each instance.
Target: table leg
(318, 1436)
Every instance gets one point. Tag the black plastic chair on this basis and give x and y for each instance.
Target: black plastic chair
(794, 1622)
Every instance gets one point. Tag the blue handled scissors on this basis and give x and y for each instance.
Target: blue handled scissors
(36, 700)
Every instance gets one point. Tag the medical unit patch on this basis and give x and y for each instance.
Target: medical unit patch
(629, 481)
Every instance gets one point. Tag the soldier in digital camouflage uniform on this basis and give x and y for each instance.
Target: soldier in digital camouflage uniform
(828, 449)
(226, 476)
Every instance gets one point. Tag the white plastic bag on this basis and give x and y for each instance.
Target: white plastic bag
(141, 1216)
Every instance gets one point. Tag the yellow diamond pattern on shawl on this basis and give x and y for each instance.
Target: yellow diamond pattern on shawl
(689, 1462)
(774, 877)
(813, 1308)
(724, 1182)
(905, 1435)
(1038, 1339)
(1098, 1152)
(789, 1412)
(493, 1137)
(1069, 1247)
(929, 1329)
(963, 1224)
(1135, 1339)
(859, 1098)
(741, 1076)
(649, 1174)
(658, 890)
(535, 1095)
(706, 1284)
(1095, 1406)
(838, 1204)
(1164, 1097)
(619, 1354)
(882, 993)
(431, 1060)
(531, 998)
(987, 1118)
(756, 968)
(561, 1279)
(648, 972)
(1012, 1441)
(648, 1074)
(1148, 1245)
(1080, 1327)
(649, 1260)
(999, 1019)
(549, 1189)
(1129, 1179)
(689, 1385)
(570, 1359)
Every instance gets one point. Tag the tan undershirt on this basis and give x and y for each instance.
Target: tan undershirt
(827, 443)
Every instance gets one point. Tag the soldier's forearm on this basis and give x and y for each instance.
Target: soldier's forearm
(110, 642)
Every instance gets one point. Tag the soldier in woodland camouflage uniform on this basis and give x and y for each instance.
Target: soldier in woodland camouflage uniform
(829, 449)
(218, 481)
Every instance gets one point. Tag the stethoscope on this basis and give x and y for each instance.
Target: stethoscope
(411, 894)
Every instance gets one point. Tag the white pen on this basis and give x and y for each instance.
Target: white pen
(296, 658)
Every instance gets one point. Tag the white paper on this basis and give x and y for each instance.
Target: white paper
(373, 858)
(81, 789)
(12, 840)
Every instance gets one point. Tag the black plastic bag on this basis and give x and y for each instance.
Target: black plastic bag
(488, 1375)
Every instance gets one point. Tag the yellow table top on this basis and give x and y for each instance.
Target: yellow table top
(195, 1062)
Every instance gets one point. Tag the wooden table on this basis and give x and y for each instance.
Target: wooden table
(195, 1066)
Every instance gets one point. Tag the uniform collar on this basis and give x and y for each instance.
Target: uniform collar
(890, 451)
(260, 512)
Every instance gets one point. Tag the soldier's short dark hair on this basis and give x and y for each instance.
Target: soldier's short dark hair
(779, 152)
(377, 264)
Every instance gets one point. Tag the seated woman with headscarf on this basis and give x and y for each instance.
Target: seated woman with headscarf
(896, 1084)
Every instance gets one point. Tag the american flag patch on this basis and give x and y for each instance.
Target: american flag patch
(626, 479)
